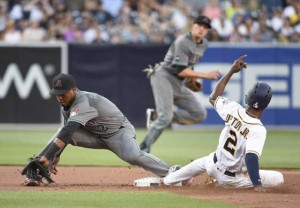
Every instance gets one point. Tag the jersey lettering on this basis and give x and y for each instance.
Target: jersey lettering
(237, 124)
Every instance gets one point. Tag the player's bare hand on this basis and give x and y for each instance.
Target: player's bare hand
(259, 188)
(54, 164)
(213, 74)
(239, 64)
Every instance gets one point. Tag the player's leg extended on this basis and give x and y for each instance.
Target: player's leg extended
(189, 171)
(125, 146)
(163, 95)
(271, 178)
(190, 109)
(268, 178)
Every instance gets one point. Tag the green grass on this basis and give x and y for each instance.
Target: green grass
(46, 199)
(175, 147)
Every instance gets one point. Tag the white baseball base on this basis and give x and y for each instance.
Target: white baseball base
(148, 182)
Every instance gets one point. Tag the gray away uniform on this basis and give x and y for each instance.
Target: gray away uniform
(103, 126)
(169, 89)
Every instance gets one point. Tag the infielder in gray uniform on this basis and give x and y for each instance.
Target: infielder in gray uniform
(92, 121)
(168, 82)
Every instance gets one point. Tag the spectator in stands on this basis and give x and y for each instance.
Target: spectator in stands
(286, 31)
(15, 10)
(153, 21)
(3, 17)
(52, 33)
(34, 32)
(264, 33)
(213, 10)
(223, 27)
(276, 21)
(74, 35)
(12, 35)
(248, 28)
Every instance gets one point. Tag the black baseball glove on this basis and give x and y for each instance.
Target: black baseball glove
(193, 84)
(36, 173)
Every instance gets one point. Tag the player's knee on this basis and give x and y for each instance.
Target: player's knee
(164, 120)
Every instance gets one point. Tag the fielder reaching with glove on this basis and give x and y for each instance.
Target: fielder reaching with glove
(235, 163)
(173, 81)
(90, 121)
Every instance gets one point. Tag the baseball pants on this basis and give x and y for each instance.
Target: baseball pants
(124, 145)
(168, 91)
(269, 178)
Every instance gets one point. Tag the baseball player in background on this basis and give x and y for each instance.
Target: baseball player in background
(235, 162)
(91, 121)
(168, 83)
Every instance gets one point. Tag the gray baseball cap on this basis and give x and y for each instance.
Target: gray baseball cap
(61, 84)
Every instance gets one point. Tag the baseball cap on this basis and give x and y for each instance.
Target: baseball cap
(203, 20)
(61, 84)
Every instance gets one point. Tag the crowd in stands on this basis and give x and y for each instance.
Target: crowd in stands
(147, 21)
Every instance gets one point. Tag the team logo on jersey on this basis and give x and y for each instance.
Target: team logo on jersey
(58, 83)
(74, 111)
(255, 105)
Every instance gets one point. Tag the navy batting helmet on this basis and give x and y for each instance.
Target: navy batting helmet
(259, 96)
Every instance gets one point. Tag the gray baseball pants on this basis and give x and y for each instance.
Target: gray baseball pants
(168, 91)
(124, 145)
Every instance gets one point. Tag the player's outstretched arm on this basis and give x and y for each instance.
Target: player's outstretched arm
(219, 89)
(189, 73)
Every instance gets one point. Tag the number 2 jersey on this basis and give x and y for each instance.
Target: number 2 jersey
(242, 134)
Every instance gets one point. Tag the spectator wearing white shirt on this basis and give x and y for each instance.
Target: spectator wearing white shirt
(12, 35)
(112, 6)
(223, 26)
(276, 22)
(16, 11)
(34, 32)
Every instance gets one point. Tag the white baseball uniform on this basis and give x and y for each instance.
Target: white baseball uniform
(242, 134)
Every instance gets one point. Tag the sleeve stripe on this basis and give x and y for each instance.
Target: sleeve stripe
(254, 152)
(216, 101)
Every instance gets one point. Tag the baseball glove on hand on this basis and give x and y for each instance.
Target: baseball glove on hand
(193, 84)
(36, 173)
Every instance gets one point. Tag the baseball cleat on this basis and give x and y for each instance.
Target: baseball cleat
(174, 168)
(210, 180)
(31, 182)
(150, 117)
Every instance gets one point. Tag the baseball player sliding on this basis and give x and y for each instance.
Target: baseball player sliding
(235, 162)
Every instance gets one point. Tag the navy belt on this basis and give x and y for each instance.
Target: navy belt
(228, 173)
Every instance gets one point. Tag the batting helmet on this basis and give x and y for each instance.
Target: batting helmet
(259, 96)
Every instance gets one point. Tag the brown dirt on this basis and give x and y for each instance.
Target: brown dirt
(121, 179)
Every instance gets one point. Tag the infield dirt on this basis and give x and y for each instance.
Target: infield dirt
(121, 179)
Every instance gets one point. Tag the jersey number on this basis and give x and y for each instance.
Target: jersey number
(231, 142)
